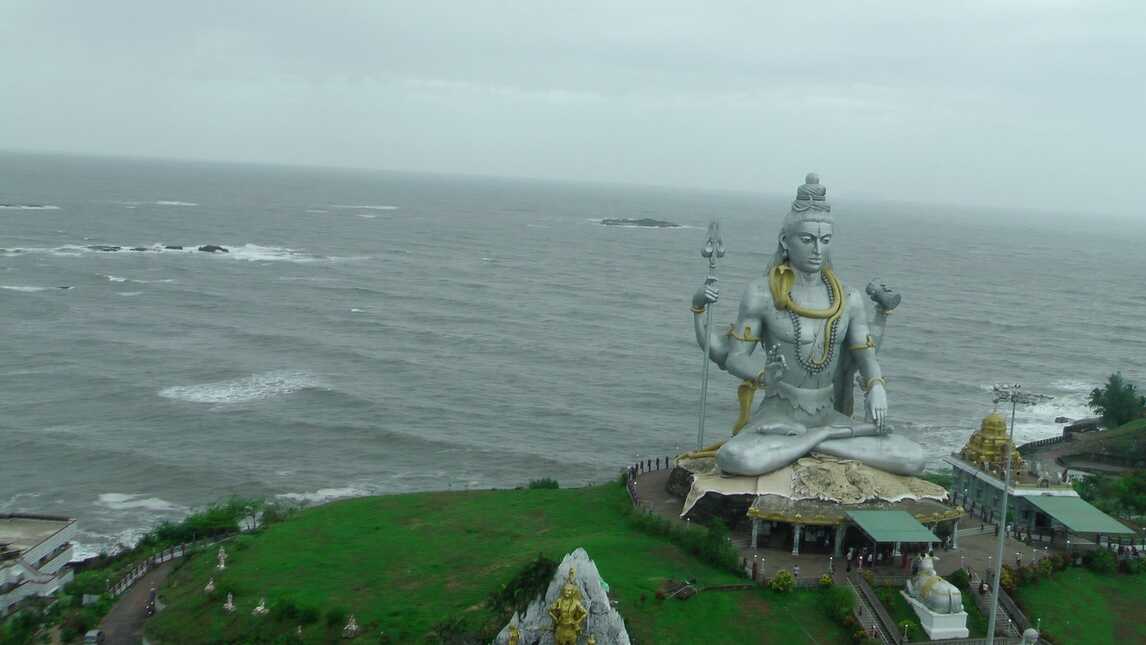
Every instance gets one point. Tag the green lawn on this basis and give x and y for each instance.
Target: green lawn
(1080, 606)
(405, 563)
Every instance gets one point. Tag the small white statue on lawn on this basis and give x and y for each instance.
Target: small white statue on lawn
(351, 629)
(222, 559)
(229, 606)
(210, 588)
(261, 608)
(936, 593)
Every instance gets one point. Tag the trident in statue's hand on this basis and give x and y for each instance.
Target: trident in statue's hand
(713, 249)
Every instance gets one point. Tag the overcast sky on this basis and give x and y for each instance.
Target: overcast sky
(1039, 103)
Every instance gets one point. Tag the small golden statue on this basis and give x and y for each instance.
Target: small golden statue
(514, 635)
(568, 613)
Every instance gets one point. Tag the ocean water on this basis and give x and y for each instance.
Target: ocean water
(374, 332)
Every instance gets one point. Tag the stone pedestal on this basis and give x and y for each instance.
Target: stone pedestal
(939, 626)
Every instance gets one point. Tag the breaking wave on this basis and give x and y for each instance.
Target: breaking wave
(23, 288)
(256, 387)
(325, 495)
(29, 207)
(122, 502)
(172, 202)
(372, 207)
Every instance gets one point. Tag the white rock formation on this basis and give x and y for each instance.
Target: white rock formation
(604, 623)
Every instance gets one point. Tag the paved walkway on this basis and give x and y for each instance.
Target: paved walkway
(123, 625)
(975, 551)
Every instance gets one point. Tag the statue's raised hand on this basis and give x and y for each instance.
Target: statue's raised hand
(707, 294)
(876, 401)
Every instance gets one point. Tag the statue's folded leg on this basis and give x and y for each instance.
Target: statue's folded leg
(891, 452)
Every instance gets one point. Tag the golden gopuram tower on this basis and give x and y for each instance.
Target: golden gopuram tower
(986, 449)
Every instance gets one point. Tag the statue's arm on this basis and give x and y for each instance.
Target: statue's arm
(859, 339)
(747, 332)
(858, 342)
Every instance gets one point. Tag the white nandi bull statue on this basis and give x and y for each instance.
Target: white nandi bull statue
(937, 594)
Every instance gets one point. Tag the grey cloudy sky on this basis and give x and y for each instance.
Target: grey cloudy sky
(1037, 103)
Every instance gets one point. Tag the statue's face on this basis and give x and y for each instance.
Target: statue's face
(807, 244)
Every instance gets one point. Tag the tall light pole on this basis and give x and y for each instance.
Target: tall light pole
(1013, 393)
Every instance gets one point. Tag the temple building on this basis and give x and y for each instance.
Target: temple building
(33, 552)
(1041, 504)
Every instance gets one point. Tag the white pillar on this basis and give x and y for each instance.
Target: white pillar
(838, 547)
(895, 551)
(755, 530)
(796, 538)
(955, 534)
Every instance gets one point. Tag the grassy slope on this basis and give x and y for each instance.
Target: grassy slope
(403, 563)
(1079, 606)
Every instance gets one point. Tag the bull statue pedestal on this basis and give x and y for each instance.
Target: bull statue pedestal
(938, 603)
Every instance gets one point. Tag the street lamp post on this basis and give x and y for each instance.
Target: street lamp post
(1015, 394)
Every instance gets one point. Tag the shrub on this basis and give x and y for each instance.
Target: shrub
(284, 610)
(1046, 567)
(1007, 580)
(1132, 566)
(825, 581)
(782, 582)
(868, 576)
(710, 544)
(335, 617)
(528, 583)
(545, 482)
(1100, 561)
(960, 579)
(838, 603)
(307, 615)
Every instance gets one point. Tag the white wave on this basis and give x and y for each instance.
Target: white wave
(257, 253)
(316, 210)
(372, 207)
(29, 207)
(128, 293)
(1074, 386)
(171, 202)
(124, 502)
(86, 547)
(324, 495)
(355, 310)
(365, 215)
(115, 278)
(256, 387)
(23, 288)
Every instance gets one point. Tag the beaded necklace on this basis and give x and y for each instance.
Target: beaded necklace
(811, 363)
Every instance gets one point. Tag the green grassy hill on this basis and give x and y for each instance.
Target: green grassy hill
(1080, 606)
(409, 565)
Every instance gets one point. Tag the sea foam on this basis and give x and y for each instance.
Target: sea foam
(256, 387)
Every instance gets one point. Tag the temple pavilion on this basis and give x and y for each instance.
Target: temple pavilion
(1041, 504)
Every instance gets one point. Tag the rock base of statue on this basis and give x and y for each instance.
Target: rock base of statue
(603, 623)
(816, 489)
(938, 626)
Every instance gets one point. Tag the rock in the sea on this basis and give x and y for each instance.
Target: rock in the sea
(213, 248)
(139, 248)
(105, 248)
(603, 623)
(173, 247)
(647, 222)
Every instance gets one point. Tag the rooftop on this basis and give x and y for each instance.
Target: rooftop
(22, 532)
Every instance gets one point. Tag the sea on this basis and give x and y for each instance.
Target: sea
(374, 332)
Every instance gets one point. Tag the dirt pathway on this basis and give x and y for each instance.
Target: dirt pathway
(123, 625)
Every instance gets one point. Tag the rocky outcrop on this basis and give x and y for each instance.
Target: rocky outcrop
(646, 222)
(213, 248)
(604, 624)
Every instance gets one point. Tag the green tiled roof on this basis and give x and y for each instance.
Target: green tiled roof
(1078, 515)
(892, 526)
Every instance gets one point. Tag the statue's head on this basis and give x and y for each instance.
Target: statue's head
(806, 234)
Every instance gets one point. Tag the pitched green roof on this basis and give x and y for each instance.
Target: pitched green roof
(1078, 515)
(892, 526)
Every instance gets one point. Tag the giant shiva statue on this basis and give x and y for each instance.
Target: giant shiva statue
(816, 336)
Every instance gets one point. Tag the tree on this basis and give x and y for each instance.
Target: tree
(1118, 402)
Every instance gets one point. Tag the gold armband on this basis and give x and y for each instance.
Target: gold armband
(748, 337)
(867, 344)
(697, 310)
(872, 381)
